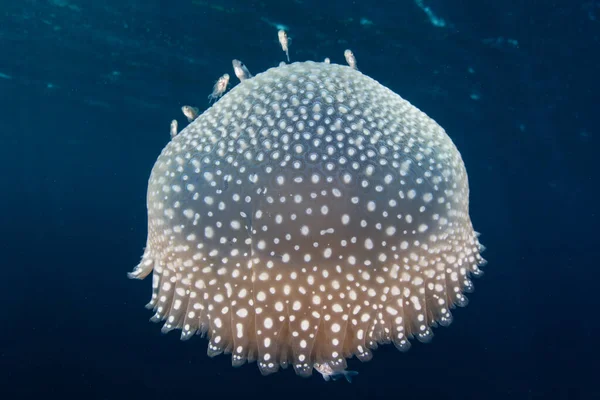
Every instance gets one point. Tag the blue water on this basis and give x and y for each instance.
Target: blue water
(87, 91)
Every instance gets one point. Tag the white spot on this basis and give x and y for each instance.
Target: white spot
(371, 206)
(345, 219)
(304, 325)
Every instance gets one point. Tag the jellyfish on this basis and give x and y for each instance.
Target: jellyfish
(307, 217)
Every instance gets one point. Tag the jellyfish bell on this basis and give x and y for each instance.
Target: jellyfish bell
(307, 216)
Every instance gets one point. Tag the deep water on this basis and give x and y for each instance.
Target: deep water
(87, 92)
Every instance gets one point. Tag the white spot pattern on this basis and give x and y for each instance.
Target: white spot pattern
(323, 214)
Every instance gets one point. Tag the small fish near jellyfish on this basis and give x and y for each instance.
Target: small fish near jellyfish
(174, 129)
(219, 88)
(240, 70)
(191, 113)
(284, 42)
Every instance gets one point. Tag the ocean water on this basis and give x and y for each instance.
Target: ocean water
(87, 92)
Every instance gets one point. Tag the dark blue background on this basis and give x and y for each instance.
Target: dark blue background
(86, 95)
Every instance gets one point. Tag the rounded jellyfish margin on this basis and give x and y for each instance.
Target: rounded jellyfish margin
(307, 216)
